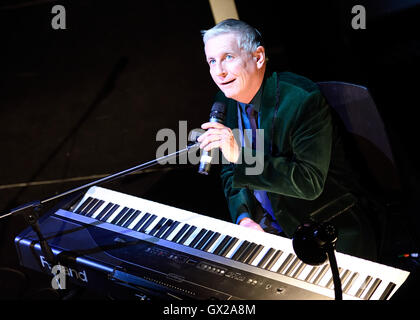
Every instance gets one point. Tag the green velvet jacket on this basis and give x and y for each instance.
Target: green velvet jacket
(303, 165)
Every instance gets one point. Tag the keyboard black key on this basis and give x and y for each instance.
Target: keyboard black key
(311, 274)
(267, 256)
(131, 219)
(187, 234)
(127, 215)
(204, 240)
(254, 254)
(292, 266)
(84, 205)
(197, 238)
(331, 281)
(110, 212)
(242, 247)
(285, 263)
(322, 273)
(212, 240)
(222, 244)
(226, 249)
(89, 206)
(147, 223)
(350, 282)
(372, 288)
(363, 286)
(344, 276)
(181, 232)
(299, 269)
(247, 252)
(273, 260)
(120, 215)
(141, 221)
(158, 225)
(165, 227)
(387, 291)
(95, 208)
(104, 211)
(170, 230)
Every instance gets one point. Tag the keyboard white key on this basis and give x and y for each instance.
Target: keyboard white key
(357, 284)
(259, 257)
(136, 220)
(325, 278)
(151, 224)
(99, 210)
(116, 212)
(305, 272)
(276, 266)
(174, 232)
(192, 237)
(216, 243)
(383, 286)
(232, 251)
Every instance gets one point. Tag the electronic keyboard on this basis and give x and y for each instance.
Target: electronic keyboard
(109, 240)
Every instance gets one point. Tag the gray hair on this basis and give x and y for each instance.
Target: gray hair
(249, 38)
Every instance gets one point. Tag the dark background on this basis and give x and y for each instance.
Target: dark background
(89, 100)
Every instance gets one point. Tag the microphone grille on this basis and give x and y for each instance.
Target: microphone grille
(218, 106)
(218, 110)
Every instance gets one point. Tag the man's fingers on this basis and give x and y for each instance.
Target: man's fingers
(216, 125)
(213, 134)
(209, 139)
(219, 136)
(212, 145)
(214, 131)
(249, 223)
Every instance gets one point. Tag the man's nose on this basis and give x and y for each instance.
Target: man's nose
(219, 70)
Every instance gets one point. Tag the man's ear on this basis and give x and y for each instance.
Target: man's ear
(259, 57)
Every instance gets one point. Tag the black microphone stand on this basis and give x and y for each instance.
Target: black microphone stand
(314, 243)
(31, 209)
(330, 250)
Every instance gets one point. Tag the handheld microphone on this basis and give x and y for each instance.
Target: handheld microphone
(217, 114)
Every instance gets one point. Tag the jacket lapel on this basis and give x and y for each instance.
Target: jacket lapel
(268, 108)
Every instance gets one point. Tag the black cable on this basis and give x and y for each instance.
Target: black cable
(335, 273)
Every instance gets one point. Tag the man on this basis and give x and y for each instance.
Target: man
(305, 175)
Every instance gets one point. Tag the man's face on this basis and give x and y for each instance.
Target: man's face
(235, 71)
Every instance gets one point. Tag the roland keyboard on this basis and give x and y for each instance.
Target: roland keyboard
(109, 239)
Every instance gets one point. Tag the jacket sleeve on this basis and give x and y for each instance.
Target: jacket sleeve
(239, 199)
(301, 174)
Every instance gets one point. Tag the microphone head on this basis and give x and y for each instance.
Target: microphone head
(218, 111)
(217, 114)
(310, 242)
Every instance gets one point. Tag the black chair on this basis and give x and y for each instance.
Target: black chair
(361, 119)
(367, 146)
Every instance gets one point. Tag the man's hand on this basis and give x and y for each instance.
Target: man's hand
(219, 136)
(249, 223)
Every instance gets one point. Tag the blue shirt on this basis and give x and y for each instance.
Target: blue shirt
(244, 123)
